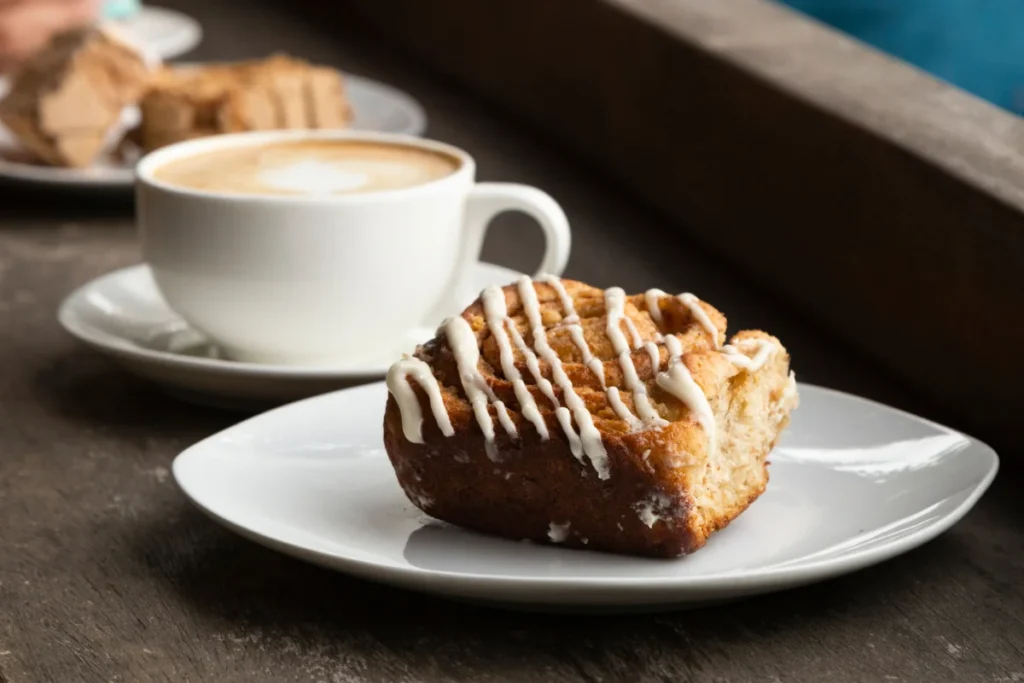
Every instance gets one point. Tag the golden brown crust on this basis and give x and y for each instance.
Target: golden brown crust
(665, 494)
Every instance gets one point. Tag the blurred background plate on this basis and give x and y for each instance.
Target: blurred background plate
(377, 107)
(163, 32)
(380, 107)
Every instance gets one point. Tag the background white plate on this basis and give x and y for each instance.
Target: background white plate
(163, 32)
(377, 107)
(852, 484)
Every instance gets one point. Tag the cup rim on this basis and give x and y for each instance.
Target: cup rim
(145, 168)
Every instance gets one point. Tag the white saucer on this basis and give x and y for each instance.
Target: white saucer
(377, 107)
(122, 314)
(164, 32)
(853, 483)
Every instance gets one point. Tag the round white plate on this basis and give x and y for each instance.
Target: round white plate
(163, 32)
(123, 315)
(377, 107)
(853, 483)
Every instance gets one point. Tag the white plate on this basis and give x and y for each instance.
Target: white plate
(852, 484)
(163, 32)
(377, 107)
(123, 315)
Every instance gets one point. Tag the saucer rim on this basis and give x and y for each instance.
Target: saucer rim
(548, 591)
(74, 324)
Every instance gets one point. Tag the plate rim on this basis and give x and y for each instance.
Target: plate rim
(417, 112)
(498, 586)
(71, 321)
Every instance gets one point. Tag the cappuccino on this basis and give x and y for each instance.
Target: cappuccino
(308, 167)
(292, 250)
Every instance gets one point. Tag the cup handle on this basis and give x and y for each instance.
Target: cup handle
(485, 201)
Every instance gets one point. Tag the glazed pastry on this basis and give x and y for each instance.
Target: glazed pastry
(183, 103)
(553, 411)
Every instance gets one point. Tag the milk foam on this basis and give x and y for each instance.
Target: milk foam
(317, 176)
(313, 177)
(309, 167)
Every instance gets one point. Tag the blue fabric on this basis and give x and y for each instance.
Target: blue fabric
(977, 45)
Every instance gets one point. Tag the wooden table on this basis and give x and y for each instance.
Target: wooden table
(108, 574)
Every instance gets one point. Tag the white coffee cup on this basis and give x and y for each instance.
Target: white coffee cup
(324, 279)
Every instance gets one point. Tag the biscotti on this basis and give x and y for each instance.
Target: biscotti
(66, 101)
(280, 92)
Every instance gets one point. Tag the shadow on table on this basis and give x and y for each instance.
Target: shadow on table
(85, 387)
(29, 201)
(276, 599)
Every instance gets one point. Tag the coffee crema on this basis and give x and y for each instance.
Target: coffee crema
(309, 167)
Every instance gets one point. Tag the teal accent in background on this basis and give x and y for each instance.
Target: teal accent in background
(120, 9)
(977, 45)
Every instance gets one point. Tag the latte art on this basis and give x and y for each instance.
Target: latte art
(313, 177)
(309, 167)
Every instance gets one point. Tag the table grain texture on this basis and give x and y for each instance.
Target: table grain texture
(108, 574)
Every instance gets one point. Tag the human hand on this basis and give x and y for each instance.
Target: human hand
(26, 25)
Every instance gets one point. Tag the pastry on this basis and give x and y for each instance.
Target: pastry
(66, 101)
(183, 103)
(556, 412)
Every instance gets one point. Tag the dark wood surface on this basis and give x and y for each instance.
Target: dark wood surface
(108, 574)
(797, 154)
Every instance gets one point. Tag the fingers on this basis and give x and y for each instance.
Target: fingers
(26, 25)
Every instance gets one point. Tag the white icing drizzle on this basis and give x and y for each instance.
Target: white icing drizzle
(564, 418)
(589, 435)
(534, 365)
(467, 355)
(633, 333)
(652, 296)
(615, 310)
(496, 313)
(652, 351)
(572, 320)
(558, 533)
(567, 305)
(653, 509)
(398, 378)
(592, 362)
(678, 381)
(693, 303)
(765, 350)
(621, 409)
(505, 419)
